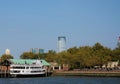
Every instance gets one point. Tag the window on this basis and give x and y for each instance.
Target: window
(35, 67)
(18, 67)
(35, 71)
(27, 67)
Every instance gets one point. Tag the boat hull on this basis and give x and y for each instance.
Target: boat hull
(27, 75)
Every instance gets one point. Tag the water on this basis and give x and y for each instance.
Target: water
(61, 80)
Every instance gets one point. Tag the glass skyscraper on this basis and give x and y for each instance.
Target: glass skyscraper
(61, 43)
(37, 50)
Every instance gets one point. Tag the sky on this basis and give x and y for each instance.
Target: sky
(26, 24)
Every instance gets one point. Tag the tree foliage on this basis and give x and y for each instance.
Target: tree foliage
(5, 57)
(27, 55)
(79, 57)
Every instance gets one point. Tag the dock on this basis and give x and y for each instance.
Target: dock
(88, 73)
(4, 74)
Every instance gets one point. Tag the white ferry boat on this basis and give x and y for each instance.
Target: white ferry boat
(30, 68)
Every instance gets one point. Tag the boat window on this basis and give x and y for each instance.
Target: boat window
(35, 71)
(18, 67)
(27, 67)
(15, 71)
(35, 67)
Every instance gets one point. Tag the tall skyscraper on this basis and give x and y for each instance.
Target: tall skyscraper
(61, 43)
(118, 44)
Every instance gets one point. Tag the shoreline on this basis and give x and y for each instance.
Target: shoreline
(81, 73)
(88, 73)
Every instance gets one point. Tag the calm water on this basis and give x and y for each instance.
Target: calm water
(61, 80)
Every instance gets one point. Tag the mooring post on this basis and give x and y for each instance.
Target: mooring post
(5, 73)
(46, 73)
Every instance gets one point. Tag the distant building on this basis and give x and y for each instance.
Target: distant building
(7, 52)
(118, 44)
(112, 64)
(61, 43)
(37, 50)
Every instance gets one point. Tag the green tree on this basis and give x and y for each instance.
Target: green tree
(85, 56)
(5, 57)
(50, 56)
(28, 55)
(116, 54)
(82, 57)
(72, 50)
(103, 54)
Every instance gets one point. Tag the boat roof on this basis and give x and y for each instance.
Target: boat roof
(28, 61)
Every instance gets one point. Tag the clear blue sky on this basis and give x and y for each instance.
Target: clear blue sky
(26, 24)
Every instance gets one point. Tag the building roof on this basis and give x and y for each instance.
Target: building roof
(45, 63)
(28, 61)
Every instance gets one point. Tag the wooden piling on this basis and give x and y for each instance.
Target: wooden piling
(4, 74)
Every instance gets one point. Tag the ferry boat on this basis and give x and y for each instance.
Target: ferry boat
(35, 69)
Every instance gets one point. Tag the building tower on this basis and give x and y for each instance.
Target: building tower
(118, 44)
(7, 52)
(37, 50)
(61, 43)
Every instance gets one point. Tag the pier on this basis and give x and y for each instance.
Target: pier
(89, 73)
(4, 74)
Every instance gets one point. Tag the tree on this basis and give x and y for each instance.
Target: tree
(5, 57)
(51, 56)
(73, 50)
(27, 55)
(116, 54)
(103, 54)
(85, 56)
(82, 57)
